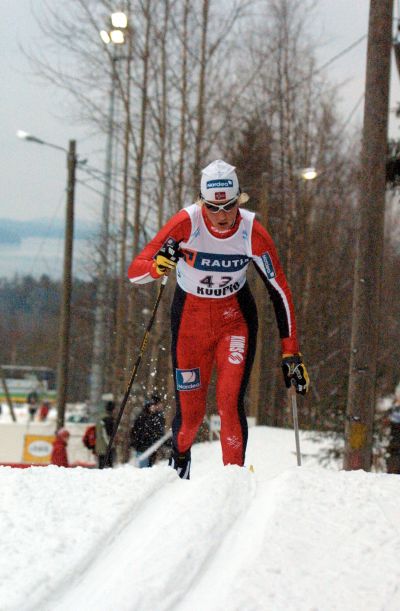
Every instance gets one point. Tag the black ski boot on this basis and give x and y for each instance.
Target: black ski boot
(180, 461)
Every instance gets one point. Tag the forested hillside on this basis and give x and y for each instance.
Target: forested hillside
(29, 326)
(29, 329)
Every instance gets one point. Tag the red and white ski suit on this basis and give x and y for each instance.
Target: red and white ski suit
(214, 318)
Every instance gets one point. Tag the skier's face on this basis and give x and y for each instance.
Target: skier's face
(223, 219)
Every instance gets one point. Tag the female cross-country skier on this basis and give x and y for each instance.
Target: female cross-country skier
(213, 315)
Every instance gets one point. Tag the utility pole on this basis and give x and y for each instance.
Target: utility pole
(65, 312)
(368, 265)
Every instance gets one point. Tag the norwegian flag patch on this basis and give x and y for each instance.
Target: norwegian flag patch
(220, 195)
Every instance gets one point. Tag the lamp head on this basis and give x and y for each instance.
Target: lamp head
(22, 135)
(308, 173)
(117, 37)
(105, 37)
(25, 136)
(119, 20)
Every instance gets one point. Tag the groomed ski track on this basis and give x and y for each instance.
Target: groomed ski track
(142, 572)
(280, 539)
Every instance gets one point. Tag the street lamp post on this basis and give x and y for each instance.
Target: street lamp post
(116, 37)
(65, 308)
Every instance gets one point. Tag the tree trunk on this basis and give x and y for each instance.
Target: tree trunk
(257, 382)
(201, 96)
(184, 108)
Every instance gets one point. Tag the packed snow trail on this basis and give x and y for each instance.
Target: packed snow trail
(145, 572)
(280, 539)
(54, 521)
(303, 546)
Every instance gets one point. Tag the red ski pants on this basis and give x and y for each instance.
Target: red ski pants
(205, 332)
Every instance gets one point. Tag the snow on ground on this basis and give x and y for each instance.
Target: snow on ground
(280, 539)
(74, 413)
(21, 414)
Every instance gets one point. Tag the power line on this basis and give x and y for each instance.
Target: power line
(87, 186)
(328, 63)
(351, 113)
(341, 53)
(93, 173)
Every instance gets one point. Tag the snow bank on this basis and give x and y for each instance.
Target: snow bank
(313, 539)
(53, 521)
(282, 538)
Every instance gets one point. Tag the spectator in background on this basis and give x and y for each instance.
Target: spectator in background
(104, 430)
(33, 403)
(44, 411)
(59, 454)
(393, 461)
(148, 428)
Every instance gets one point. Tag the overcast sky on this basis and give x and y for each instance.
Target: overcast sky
(33, 177)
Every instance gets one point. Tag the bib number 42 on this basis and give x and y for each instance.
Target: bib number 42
(208, 281)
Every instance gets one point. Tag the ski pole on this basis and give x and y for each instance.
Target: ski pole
(135, 368)
(293, 400)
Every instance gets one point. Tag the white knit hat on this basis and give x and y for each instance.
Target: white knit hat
(219, 182)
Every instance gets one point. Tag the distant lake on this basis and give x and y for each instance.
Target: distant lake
(38, 256)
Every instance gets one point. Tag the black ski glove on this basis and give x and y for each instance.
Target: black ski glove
(295, 372)
(167, 257)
